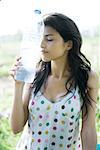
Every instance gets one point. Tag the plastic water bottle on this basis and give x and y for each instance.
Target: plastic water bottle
(30, 48)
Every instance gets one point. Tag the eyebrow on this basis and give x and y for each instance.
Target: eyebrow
(48, 35)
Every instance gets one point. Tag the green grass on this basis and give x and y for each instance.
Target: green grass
(7, 139)
(8, 53)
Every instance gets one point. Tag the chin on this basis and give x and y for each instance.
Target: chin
(45, 59)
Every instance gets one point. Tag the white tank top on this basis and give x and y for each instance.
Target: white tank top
(53, 126)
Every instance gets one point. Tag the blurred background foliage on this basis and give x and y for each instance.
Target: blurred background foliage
(9, 48)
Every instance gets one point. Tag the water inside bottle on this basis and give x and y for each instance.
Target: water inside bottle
(30, 49)
(25, 74)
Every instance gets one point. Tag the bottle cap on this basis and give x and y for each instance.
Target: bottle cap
(37, 11)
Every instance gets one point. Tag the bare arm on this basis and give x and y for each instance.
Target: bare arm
(19, 114)
(88, 133)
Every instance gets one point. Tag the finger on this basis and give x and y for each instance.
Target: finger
(11, 74)
(18, 64)
(14, 68)
(19, 58)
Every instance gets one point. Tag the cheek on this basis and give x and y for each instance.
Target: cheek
(54, 51)
(56, 54)
(59, 51)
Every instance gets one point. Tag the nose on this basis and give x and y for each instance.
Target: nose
(42, 44)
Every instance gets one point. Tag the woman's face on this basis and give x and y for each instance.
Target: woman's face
(53, 45)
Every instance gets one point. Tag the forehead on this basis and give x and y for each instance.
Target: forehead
(50, 31)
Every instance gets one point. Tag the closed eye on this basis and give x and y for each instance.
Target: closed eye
(49, 39)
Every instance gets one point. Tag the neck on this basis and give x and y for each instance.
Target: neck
(60, 68)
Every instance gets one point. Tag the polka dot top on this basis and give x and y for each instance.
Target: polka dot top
(53, 125)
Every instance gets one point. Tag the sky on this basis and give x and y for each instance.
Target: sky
(17, 14)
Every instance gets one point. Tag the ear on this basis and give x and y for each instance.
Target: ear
(69, 45)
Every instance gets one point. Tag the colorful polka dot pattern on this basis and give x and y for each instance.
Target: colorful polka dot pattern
(54, 126)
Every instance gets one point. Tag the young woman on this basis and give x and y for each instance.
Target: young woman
(64, 88)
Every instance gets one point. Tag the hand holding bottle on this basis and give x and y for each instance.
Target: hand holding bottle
(15, 68)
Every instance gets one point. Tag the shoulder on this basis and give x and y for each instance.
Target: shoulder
(93, 80)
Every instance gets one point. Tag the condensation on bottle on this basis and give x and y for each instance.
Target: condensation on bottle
(37, 26)
(30, 47)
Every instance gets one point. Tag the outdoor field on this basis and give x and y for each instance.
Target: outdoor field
(9, 47)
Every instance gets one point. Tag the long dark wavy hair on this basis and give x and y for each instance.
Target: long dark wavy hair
(79, 65)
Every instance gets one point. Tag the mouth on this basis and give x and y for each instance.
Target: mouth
(43, 52)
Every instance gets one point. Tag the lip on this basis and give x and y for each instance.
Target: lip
(44, 52)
